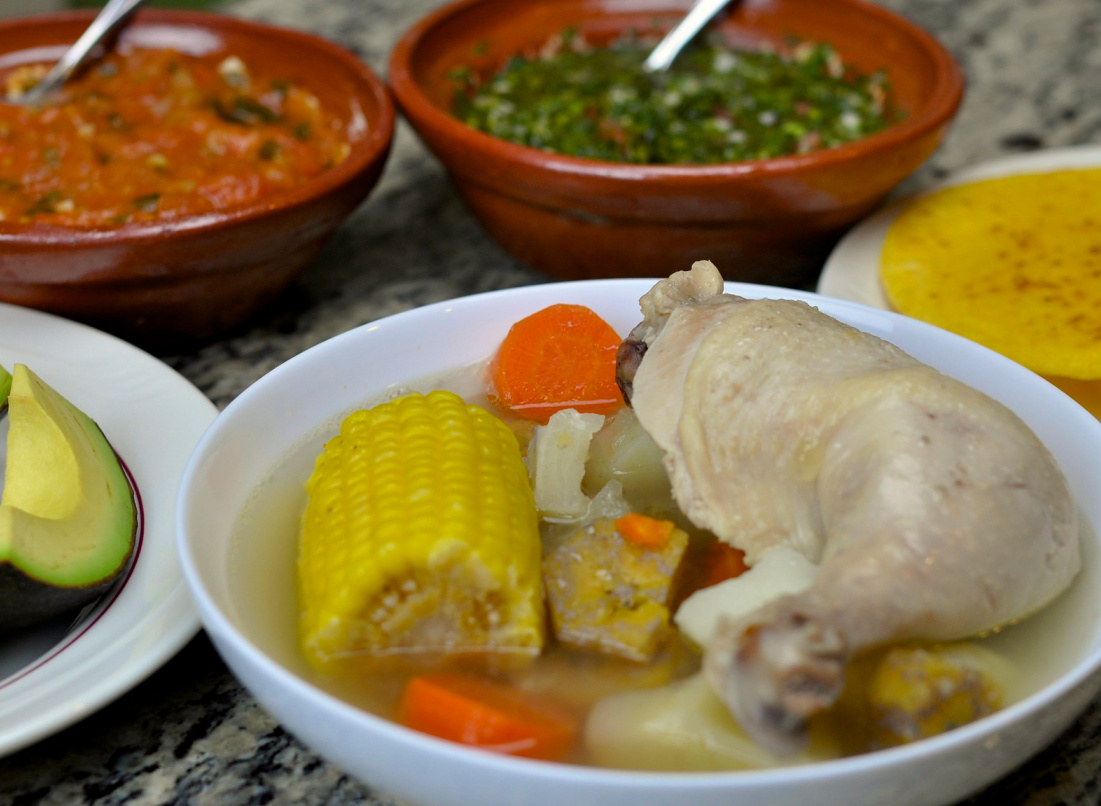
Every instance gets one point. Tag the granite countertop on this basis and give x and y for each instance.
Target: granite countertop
(190, 733)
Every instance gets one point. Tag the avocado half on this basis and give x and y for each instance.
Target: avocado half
(67, 516)
(5, 388)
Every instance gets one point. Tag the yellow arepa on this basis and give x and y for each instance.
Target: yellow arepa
(1012, 263)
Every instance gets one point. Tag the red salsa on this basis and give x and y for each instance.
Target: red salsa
(155, 134)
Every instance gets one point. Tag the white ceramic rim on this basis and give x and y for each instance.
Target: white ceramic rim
(679, 783)
(852, 270)
(153, 417)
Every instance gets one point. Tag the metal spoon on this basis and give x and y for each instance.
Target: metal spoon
(110, 18)
(662, 56)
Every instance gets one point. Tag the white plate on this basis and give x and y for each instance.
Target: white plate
(852, 270)
(58, 673)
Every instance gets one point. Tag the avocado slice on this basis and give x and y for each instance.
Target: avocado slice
(5, 388)
(67, 516)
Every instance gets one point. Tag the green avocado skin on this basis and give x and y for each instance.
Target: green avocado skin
(25, 601)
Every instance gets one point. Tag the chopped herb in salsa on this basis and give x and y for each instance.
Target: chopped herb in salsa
(148, 203)
(715, 104)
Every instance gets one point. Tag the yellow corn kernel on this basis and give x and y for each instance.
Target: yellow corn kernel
(420, 535)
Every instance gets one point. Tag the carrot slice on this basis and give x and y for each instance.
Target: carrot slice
(721, 562)
(558, 358)
(478, 712)
(643, 530)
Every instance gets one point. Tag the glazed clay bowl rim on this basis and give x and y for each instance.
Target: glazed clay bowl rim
(365, 152)
(939, 107)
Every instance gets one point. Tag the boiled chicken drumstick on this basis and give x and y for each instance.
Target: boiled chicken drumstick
(932, 510)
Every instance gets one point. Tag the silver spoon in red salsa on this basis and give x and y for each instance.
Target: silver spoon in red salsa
(114, 14)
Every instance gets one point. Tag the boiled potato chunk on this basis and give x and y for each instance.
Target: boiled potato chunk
(622, 451)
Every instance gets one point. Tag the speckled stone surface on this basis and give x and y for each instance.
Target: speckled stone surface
(191, 734)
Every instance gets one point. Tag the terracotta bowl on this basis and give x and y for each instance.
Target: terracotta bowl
(180, 282)
(764, 221)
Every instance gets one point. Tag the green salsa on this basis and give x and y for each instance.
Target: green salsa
(716, 104)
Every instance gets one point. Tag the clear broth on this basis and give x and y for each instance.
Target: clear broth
(262, 572)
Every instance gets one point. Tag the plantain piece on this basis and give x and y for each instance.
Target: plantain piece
(420, 536)
(609, 595)
(916, 693)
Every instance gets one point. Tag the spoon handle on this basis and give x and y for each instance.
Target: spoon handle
(661, 57)
(112, 15)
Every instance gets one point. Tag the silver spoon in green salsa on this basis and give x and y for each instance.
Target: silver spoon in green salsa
(662, 56)
(109, 19)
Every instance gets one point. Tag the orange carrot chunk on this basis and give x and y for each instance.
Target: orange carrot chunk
(479, 712)
(643, 530)
(721, 562)
(558, 358)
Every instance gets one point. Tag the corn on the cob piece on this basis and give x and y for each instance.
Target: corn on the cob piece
(420, 535)
(916, 693)
(609, 595)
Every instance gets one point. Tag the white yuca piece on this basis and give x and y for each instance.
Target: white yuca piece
(682, 726)
(781, 570)
(556, 462)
